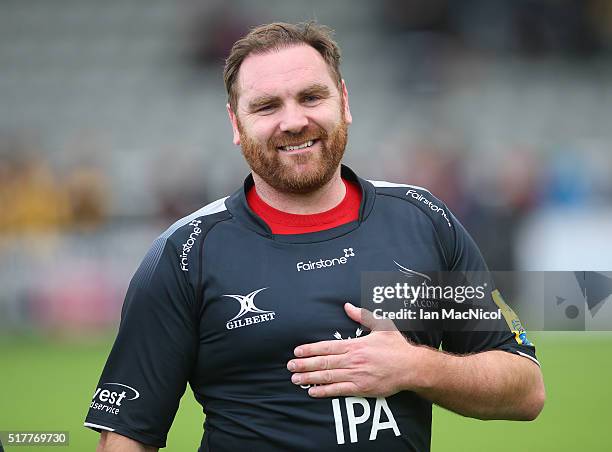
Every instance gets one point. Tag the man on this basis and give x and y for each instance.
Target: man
(249, 298)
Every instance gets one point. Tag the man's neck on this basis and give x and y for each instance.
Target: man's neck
(325, 198)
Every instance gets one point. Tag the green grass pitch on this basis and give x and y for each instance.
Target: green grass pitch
(47, 385)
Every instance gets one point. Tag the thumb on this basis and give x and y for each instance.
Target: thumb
(360, 315)
(353, 312)
(366, 318)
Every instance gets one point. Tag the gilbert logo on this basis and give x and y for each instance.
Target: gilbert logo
(247, 305)
(347, 253)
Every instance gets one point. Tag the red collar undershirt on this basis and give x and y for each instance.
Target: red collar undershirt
(288, 223)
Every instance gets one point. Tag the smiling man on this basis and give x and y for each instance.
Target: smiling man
(289, 111)
(246, 299)
(300, 151)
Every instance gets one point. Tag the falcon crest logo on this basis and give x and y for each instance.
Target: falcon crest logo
(358, 332)
(411, 273)
(247, 305)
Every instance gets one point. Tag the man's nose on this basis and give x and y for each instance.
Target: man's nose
(294, 120)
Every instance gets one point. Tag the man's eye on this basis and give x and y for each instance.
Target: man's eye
(312, 98)
(265, 108)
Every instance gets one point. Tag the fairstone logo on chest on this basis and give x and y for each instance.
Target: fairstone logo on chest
(247, 305)
(341, 259)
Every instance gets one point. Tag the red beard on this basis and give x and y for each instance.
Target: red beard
(304, 172)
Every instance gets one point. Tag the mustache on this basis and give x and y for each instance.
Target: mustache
(293, 139)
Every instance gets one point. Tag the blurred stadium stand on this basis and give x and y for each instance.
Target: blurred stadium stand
(113, 125)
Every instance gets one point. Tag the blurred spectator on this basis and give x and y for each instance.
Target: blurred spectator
(87, 196)
(32, 198)
(567, 180)
(501, 204)
(35, 198)
(440, 172)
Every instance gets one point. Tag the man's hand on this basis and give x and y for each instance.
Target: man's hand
(488, 385)
(379, 364)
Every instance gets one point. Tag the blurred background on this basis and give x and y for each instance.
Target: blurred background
(113, 125)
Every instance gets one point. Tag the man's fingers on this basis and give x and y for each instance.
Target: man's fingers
(322, 348)
(321, 377)
(324, 362)
(344, 388)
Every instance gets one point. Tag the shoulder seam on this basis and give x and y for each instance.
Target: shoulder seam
(199, 301)
(385, 184)
(159, 244)
(209, 209)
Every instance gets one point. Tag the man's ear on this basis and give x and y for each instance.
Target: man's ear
(234, 120)
(345, 101)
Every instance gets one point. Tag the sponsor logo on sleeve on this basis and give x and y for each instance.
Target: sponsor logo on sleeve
(111, 397)
(432, 206)
(186, 248)
(513, 321)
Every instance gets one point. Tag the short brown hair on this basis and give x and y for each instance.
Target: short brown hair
(275, 36)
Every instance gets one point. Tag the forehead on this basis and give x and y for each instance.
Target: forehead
(282, 72)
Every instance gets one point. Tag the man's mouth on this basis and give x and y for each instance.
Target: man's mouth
(297, 147)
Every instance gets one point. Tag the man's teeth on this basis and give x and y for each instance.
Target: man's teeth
(295, 148)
